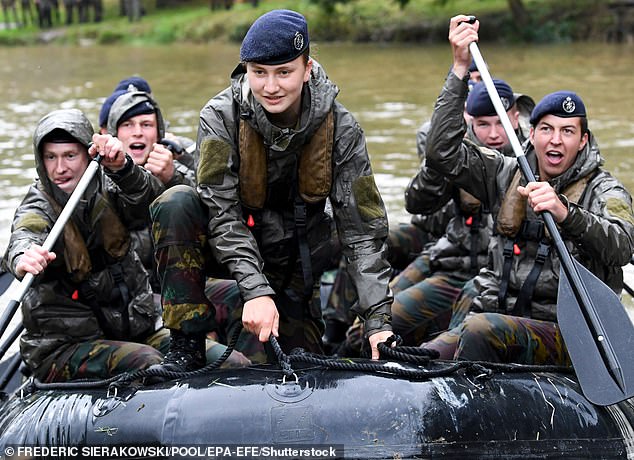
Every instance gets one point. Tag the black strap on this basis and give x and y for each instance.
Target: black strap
(506, 274)
(89, 297)
(474, 230)
(117, 274)
(121, 296)
(304, 249)
(523, 304)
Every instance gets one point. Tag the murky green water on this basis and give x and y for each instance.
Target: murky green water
(391, 90)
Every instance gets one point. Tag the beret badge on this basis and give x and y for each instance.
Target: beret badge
(298, 41)
(568, 105)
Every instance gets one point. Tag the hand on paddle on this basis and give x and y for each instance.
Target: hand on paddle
(461, 34)
(542, 197)
(33, 261)
(261, 318)
(111, 149)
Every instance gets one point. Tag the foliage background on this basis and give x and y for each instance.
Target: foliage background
(168, 21)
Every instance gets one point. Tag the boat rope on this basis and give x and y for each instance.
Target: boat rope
(403, 354)
(392, 362)
(127, 378)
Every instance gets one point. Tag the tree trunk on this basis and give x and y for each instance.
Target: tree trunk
(519, 13)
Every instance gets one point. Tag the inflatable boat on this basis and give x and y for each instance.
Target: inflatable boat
(319, 407)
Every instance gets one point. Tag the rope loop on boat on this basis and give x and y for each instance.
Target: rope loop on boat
(282, 358)
(402, 361)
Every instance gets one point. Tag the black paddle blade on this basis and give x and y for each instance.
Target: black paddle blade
(604, 367)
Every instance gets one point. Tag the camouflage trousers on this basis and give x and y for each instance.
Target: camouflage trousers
(425, 308)
(421, 307)
(225, 297)
(418, 313)
(502, 338)
(404, 245)
(101, 359)
(184, 261)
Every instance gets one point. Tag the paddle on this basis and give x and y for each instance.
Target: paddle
(597, 330)
(6, 279)
(8, 369)
(50, 240)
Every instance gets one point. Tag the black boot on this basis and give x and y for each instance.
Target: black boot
(186, 352)
(335, 334)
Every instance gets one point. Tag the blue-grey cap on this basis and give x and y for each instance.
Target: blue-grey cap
(134, 84)
(276, 37)
(479, 103)
(564, 104)
(107, 105)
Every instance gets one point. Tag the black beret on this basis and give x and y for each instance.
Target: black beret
(479, 103)
(276, 37)
(564, 104)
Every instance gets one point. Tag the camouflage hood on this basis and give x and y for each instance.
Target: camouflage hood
(75, 123)
(128, 100)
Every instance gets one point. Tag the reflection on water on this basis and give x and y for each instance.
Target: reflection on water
(391, 90)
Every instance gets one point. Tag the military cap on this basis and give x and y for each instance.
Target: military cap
(134, 84)
(479, 103)
(142, 108)
(276, 37)
(130, 104)
(107, 105)
(564, 104)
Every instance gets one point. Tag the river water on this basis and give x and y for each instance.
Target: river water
(391, 89)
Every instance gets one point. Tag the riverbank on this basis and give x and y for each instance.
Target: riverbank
(420, 21)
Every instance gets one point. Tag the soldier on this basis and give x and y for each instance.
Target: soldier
(134, 117)
(426, 289)
(516, 301)
(274, 146)
(90, 313)
(424, 296)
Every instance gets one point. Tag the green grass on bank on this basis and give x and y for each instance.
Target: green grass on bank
(356, 20)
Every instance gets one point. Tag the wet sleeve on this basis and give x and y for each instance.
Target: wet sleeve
(231, 242)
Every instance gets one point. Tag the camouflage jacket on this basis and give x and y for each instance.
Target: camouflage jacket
(56, 310)
(467, 225)
(599, 229)
(258, 260)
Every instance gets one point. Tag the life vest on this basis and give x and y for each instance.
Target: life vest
(312, 185)
(513, 208)
(471, 210)
(314, 172)
(515, 227)
(81, 262)
(116, 240)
